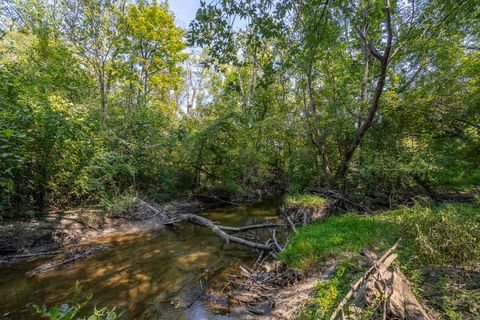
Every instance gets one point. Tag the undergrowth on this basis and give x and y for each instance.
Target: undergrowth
(309, 201)
(76, 306)
(329, 293)
(432, 237)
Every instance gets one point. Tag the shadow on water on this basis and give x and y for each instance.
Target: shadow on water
(141, 273)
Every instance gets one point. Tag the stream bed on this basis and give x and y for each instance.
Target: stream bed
(145, 275)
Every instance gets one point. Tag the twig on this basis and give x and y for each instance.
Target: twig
(29, 255)
(290, 223)
(279, 247)
(249, 227)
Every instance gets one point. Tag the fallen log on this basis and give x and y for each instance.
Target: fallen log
(30, 255)
(72, 256)
(250, 227)
(360, 281)
(222, 234)
(218, 230)
(384, 291)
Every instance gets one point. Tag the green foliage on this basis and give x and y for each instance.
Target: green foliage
(121, 205)
(302, 67)
(55, 146)
(451, 295)
(434, 238)
(100, 98)
(328, 293)
(445, 235)
(309, 201)
(76, 307)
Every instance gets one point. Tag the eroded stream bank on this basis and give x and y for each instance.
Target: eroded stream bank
(146, 274)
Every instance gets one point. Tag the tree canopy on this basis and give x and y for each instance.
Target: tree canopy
(374, 98)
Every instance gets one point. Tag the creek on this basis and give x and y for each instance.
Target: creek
(146, 275)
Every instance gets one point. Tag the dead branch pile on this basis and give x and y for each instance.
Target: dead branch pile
(383, 291)
(296, 214)
(341, 202)
(257, 290)
(71, 256)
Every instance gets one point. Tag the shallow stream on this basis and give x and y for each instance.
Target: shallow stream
(144, 275)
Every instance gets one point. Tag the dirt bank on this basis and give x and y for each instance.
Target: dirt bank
(27, 238)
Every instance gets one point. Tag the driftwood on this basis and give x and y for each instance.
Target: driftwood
(29, 255)
(218, 230)
(385, 287)
(360, 281)
(257, 290)
(222, 234)
(250, 227)
(73, 255)
(292, 225)
(279, 247)
(339, 197)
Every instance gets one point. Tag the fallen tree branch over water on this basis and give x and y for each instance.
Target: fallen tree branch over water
(217, 229)
(222, 234)
(250, 227)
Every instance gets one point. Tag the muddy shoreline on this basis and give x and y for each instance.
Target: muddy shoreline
(25, 238)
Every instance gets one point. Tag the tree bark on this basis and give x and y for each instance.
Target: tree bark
(222, 234)
(368, 121)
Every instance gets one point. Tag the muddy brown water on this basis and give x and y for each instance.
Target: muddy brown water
(142, 274)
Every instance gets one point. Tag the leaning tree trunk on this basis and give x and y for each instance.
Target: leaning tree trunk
(368, 121)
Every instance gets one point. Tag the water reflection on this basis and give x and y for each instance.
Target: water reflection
(144, 274)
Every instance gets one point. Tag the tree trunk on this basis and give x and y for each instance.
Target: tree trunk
(103, 99)
(368, 121)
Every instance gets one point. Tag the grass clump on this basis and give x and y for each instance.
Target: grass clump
(309, 201)
(446, 234)
(449, 234)
(328, 293)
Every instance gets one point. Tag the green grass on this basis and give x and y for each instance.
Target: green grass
(447, 235)
(328, 293)
(337, 235)
(309, 201)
